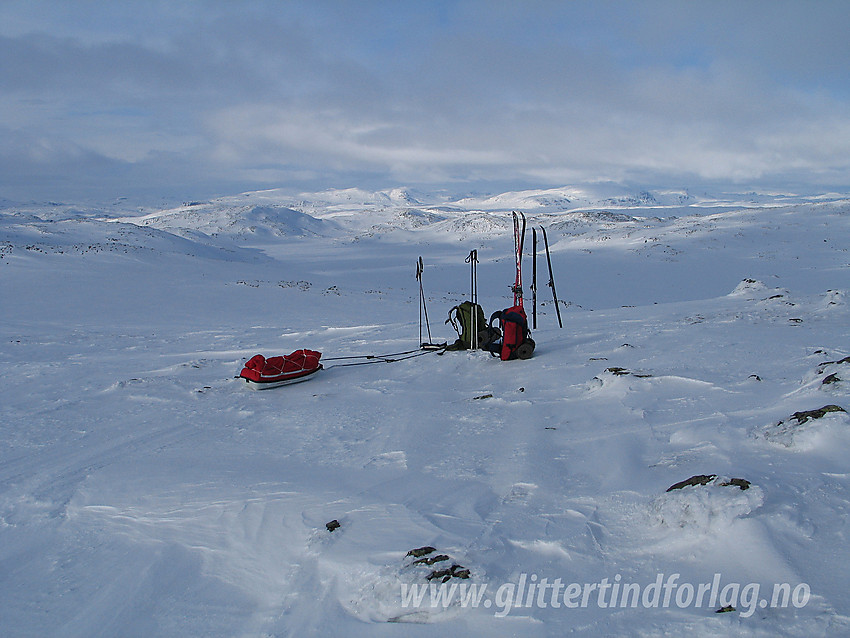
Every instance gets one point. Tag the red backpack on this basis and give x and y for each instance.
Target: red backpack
(516, 340)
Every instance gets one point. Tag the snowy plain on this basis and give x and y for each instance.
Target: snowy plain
(145, 491)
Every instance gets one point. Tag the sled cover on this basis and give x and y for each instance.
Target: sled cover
(300, 362)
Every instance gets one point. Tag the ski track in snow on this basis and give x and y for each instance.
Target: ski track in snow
(145, 491)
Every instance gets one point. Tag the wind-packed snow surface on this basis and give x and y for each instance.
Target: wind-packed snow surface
(145, 491)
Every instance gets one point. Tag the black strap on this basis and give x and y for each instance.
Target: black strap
(381, 358)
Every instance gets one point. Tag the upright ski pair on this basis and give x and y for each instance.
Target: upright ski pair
(519, 240)
(551, 282)
(516, 341)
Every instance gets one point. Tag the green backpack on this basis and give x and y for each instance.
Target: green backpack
(468, 319)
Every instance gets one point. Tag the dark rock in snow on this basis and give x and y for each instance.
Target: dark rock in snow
(460, 572)
(802, 417)
(455, 571)
(744, 484)
(823, 366)
(700, 479)
(619, 372)
(430, 560)
(445, 574)
(705, 479)
(831, 363)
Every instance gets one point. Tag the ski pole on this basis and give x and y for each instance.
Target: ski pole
(472, 260)
(534, 278)
(420, 267)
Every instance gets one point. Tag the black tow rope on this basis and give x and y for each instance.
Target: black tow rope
(391, 357)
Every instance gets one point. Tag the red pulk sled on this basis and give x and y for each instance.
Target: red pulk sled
(516, 340)
(261, 373)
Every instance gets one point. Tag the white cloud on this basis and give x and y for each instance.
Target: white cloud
(329, 92)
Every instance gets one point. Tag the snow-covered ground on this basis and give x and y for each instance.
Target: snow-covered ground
(144, 491)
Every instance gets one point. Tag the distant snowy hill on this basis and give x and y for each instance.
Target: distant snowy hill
(22, 233)
(262, 222)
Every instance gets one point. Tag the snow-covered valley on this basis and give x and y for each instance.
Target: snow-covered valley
(145, 491)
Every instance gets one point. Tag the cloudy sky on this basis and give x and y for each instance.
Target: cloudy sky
(189, 99)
